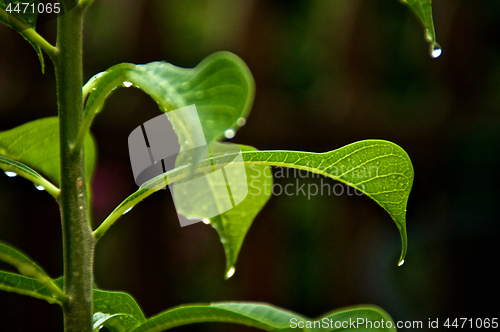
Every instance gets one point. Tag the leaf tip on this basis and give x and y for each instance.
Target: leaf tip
(404, 244)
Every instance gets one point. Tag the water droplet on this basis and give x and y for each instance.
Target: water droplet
(127, 84)
(230, 272)
(11, 174)
(229, 133)
(81, 207)
(199, 94)
(401, 263)
(241, 121)
(41, 188)
(127, 210)
(393, 177)
(206, 221)
(186, 142)
(185, 85)
(436, 50)
(401, 184)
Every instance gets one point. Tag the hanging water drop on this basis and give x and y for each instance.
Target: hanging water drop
(241, 121)
(436, 50)
(401, 263)
(127, 210)
(127, 84)
(230, 272)
(11, 174)
(229, 133)
(206, 221)
(41, 188)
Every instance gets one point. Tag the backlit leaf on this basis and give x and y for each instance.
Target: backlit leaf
(30, 269)
(125, 311)
(221, 87)
(13, 168)
(36, 145)
(12, 282)
(379, 169)
(423, 10)
(269, 318)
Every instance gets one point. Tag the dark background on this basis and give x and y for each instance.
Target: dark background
(328, 73)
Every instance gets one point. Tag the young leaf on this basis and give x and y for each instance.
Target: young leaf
(36, 144)
(21, 20)
(423, 9)
(30, 269)
(114, 323)
(221, 87)
(266, 317)
(12, 282)
(124, 311)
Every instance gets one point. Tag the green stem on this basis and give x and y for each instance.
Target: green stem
(29, 33)
(78, 240)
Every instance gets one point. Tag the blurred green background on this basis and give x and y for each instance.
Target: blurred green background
(328, 73)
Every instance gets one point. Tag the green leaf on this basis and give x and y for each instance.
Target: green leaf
(29, 268)
(233, 225)
(117, 311)
(25, 265)
(379, 169)
(423, 10)
(124, 311)
(36, 144)
(22, 20)
(12, 282)
(265, 317)
(221, 87)
(114, 323)
(13, 168)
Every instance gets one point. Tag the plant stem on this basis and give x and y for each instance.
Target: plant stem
(78, 240)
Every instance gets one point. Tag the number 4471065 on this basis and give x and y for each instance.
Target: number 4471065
(30, 8)
(472, 323)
